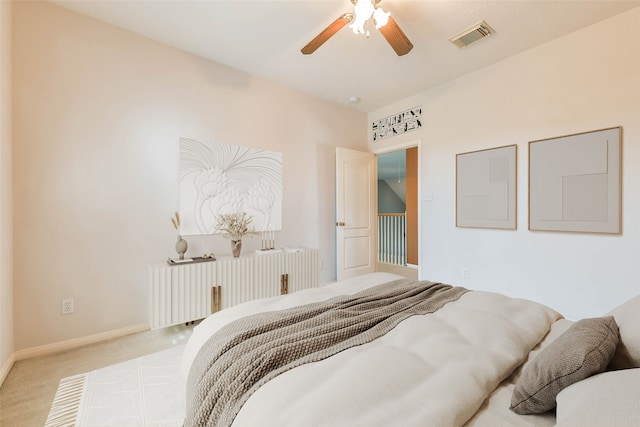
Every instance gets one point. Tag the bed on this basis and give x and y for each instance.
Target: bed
(417, 354)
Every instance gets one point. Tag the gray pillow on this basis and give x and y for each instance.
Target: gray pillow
(628, 352)
(585, 349)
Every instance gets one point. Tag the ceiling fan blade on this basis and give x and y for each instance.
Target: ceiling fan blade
(326, 34)
(396, 37)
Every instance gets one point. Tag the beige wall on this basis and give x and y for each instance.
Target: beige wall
(98, 113)
(585, 81)
(6, 285)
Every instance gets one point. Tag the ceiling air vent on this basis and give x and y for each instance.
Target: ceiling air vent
(472, 34)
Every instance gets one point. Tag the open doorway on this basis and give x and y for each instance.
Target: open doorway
(397, 212)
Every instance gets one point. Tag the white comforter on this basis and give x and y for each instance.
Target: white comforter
(431, 370)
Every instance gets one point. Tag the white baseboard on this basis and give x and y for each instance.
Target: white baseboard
(6, 368)
(78, 342)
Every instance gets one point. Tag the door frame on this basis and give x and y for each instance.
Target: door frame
(395, 147)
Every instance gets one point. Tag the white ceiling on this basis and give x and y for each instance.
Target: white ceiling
(264, 38)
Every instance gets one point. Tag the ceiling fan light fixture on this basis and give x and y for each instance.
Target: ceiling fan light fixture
(381, 17)
(363, 11)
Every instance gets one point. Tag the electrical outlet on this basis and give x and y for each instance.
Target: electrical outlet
(67, 306)
(465, 273)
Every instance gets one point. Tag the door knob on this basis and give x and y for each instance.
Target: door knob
(340, 224)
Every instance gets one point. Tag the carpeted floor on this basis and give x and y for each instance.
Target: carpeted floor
(142, 392)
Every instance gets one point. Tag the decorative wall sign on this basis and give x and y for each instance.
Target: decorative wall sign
(486, 188)
(220, 178)
(397, 124)
(575, 182)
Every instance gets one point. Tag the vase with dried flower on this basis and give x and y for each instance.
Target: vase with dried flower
(181, 244)
(235, 226)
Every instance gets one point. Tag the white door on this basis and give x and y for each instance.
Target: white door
(355, 213)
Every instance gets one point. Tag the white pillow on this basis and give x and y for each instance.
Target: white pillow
(627, 317)
(609, 399)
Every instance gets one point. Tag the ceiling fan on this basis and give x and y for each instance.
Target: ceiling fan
(363, 11)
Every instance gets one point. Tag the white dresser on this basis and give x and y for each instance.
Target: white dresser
(185, 292)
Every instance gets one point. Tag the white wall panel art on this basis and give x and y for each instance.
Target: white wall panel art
(575, 182)
(220, 178)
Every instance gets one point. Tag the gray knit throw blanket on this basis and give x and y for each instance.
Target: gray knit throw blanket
(250, 351)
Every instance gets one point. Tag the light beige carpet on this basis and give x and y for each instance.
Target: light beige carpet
(142, 392)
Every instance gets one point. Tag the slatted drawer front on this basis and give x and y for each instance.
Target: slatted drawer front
(183, 293)
(191, 291)
(159, 297)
